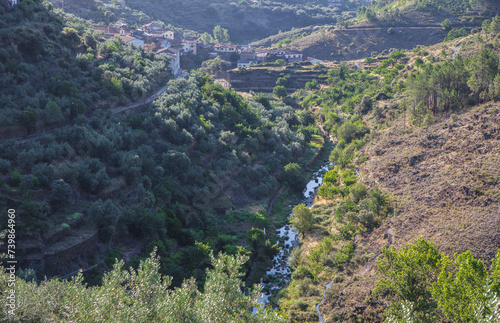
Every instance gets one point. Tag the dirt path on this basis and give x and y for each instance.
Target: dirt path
(455, 51)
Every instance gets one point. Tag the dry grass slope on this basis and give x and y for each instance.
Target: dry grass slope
(446, 183)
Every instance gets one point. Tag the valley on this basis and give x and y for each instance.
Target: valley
(155, 155)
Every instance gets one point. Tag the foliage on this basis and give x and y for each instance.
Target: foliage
(60, 192)
(280, 91)
(446, 24)
(52, 113)
(142, 295)
(302, 219)
(214, 66)
(29, 118)
(221, 35)
(455, 33)
(293, 176)
(429, 287)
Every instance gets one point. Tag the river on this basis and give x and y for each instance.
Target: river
(279, 276)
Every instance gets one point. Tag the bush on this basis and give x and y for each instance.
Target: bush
(347, 132)
(29, 118)
(446, 24)
(280, 91)
(358, 192)
(60, 192)
(52, 113)
(92, 175)
(44, 173)
(293, 176)
(143, 222)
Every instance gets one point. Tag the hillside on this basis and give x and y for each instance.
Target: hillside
(408, 164)
(57, 68)
(444, 181)
(189, 173)
(400, 27)
(245, 20)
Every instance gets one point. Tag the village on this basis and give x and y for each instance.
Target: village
(153, 38)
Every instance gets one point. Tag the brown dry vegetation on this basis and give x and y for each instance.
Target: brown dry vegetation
(445, 183)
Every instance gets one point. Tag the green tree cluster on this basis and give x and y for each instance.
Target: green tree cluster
(430, 287)
(141, 295)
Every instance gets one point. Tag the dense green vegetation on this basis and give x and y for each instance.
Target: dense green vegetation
(170, 177)
(429, 286)
(57, 67)
(139, 296)
(179, 164)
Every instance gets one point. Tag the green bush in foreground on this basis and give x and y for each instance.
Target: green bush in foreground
(139, 296)
(431, 287)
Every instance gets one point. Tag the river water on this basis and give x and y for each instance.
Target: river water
(279, 276)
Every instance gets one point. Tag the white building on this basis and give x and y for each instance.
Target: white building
(169, 34)
(292, 56)
(226, 48)
(246, 63)
(175, 59)
(129, 40)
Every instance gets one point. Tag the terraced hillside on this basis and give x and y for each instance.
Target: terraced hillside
(261, 79)
(396, 26)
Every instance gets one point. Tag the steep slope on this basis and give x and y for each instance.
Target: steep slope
(426, 169)
(444, 181)
(392, 26)
(245, 20)
(175, 174)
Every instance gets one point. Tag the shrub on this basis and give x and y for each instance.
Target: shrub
(280, 91)
(60, 192)
(52, 113)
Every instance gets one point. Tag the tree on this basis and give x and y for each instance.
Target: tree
(280, 62)
(214, 66)
(283, 80)
(206, 38)
(293, 176)
(446, 24)
(234, 57)
(365, 106)
(430, 288)
(29, 118)
(459, 289)
(280, 91)
(347, 131)
(71, 35)
(483, 67)
(409, 273)
(302, 219)
(370, 15)
(143, 295)
(103, 216)
(397, 55)
(52, 113)
(60, 192)
(370, 60)
(221, 35)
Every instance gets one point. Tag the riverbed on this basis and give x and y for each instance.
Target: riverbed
(280, 275)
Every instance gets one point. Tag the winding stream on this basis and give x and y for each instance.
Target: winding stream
(280, 274)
